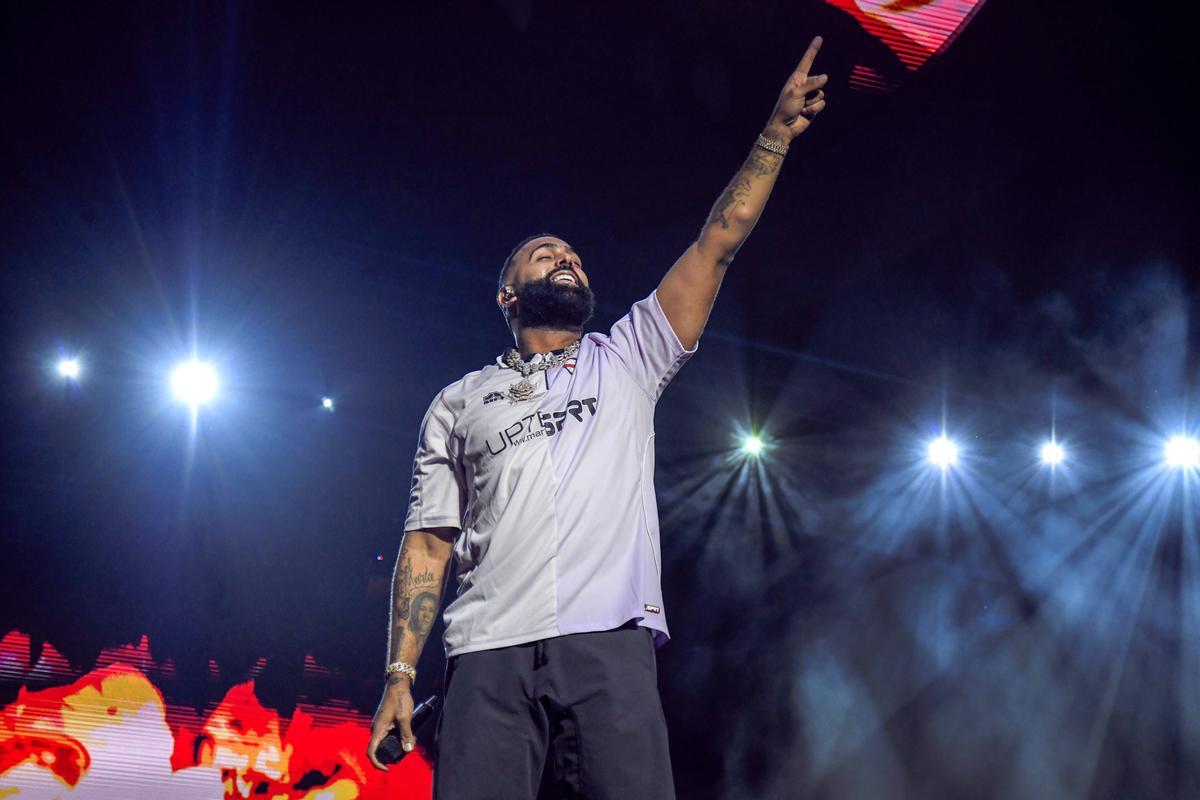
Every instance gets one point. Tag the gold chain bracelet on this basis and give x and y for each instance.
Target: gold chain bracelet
(401, 668)
(771, 145)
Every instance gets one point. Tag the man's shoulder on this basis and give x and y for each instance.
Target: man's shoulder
(456, 395)
(614, 338)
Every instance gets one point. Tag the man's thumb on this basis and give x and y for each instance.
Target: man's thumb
(407, 740)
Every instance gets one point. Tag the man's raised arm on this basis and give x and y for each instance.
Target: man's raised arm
(417, 586)
(687, 291)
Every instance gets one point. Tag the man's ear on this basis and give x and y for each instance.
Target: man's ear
(504, 299)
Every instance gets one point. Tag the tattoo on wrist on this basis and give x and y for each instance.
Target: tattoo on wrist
(762, 162)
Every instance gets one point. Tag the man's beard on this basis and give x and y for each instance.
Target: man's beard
(542, 304)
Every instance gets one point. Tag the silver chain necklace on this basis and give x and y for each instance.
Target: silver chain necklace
(522, 390)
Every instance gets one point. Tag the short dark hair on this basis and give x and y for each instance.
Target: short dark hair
(508, 261)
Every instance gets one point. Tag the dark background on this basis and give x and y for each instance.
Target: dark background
(319, 201)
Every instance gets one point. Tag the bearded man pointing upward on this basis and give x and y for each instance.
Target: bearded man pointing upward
(536, 474)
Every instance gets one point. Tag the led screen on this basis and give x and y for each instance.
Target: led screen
(913, 30)
(112, 732)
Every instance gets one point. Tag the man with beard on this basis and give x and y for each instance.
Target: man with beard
(536, 474)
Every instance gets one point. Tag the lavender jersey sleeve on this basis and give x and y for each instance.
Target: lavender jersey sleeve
(437, 496)
(648, 346)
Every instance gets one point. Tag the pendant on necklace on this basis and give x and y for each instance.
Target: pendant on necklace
(520, 391)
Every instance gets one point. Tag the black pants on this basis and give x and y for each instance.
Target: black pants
(591, 697)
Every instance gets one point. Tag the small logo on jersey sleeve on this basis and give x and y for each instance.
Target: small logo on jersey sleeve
(492, 397)
(652, 609)
(569, 366)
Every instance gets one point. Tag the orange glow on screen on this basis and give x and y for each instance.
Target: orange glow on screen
(109, 733)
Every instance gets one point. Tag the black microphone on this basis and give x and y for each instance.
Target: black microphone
(391, 750)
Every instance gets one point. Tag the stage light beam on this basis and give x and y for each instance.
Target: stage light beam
(1053, 453)
(752, 445)
(69, 368)
(943, 452)
(327, 403)
(1182, 452)
(195, 383)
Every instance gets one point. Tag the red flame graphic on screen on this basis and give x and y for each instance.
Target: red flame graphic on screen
(109, 733)
(915, 30)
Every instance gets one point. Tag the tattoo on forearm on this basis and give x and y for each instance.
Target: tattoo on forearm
(762, 162)
(416, 593)
(759, 164)
(728, 200)
(423, 579)
(400, 584)
(424, 613)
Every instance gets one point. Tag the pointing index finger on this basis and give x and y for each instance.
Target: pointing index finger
(809, 55)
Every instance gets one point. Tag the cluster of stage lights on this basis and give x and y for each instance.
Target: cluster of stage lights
(1180, 452)
(193, 382)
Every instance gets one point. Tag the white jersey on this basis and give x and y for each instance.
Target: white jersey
(554, 496)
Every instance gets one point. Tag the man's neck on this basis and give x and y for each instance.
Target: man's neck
(543, 340)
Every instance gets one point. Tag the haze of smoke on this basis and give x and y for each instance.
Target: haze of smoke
(884, 634)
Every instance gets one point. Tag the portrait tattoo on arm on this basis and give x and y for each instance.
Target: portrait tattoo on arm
(423, 614)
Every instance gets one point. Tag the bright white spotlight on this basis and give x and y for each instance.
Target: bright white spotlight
(943, 452)
(1182, 452)
(69, 368)
(327, 403)
(752, 445)
(1053, 453)
(194, 383)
